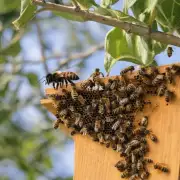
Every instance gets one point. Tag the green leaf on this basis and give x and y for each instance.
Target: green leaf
(109, 61)
(8, 5)
(108, 3)
(4, 80)
(33, 79)
(26, 15)
(69, 16)
(48, 162)
(129, 3)
(13, 48)
(2, 59)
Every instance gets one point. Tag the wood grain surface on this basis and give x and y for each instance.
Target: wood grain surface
(95, 162)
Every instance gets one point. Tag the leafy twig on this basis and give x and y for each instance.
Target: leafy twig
(90, 16)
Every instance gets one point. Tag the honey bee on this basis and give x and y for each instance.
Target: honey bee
(87, 84)
(116, 125)
(158, 79)
(161, 167)
(147, 160)
(101, 109)
(125, 174)
(153, 137)
(98, 82)
(81, 99)
(63, 113)
(142, 72)
(119, 109)
(131, 88)
(84, 131)
(146, 80)
(74, 93)
(139, 104)
(170, 51)
(134, 96)
(108, 85)
(121, 165)
(129, 108)
(144, 175)
(114, 84)
(134, 177)
(109, 119)
(175, 69)
(140, 90)
(124, 71)
(153, 71)
(161, 90)
(113, 104)
(140, 165)
(124, 101)
(59, 78)
(56, 123)
(144, 121)
(119, 148)
(133, 158)
(101, 138)
(97, 73)
(98, 126)
(168, 95)
(107, 105)
(73, 132)
(168, 75)
(94, 104)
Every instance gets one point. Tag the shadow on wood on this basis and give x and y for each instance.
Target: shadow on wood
(95, 162)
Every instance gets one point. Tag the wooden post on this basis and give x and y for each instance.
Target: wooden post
(95, 162)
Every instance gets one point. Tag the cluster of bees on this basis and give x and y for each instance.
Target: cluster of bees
(106, 112)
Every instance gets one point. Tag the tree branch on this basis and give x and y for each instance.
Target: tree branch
(40, 38)
(90, 16)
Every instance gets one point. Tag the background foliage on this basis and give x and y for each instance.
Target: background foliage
(47, 42)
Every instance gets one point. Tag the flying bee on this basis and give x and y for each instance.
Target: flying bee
(147, 160)
(175, 69)
(131, 88)
(116, 125)
(88, 83)
(161, 167)
(59, 78)
(158, 79)
(168, 95)
(144, 175)
(128, 69)
(98, 126)
(144, 121)
(81, 99)
(124, 101)
(170, 51)
(97, 73)
(161, 90)
(168, 75)
(74, 93)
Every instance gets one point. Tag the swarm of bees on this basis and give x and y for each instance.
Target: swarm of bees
(106, 112)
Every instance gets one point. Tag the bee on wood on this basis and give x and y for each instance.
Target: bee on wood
(134, 143)
(153, 137)
(140, 90)
(131, 88)
(134, 177)
(56, 123)
(161, 167)
(125, 174)
(84, 131)
(87, 84)
(175, 69)
(107, 105)
(97, 73)
(134, 96)
(144, 175)
(74, 93)
(101, 138)
(124, 101)
(158, 79)
(139, 104)
(147, 160)
(170, 51)
(73, 132)
(101, 109)
(114, 84)
(133, 158)
(98, 82)
(119, 109)
(120, 148)
(81, 99)
(98, 126)
(161, 90)
(78, 120)
(140, 165)
(168, 95)
(63, 113)
(116, 125)
(168, 75)
(121, 165)
(144, 121)
(128, 69)
(59, 78)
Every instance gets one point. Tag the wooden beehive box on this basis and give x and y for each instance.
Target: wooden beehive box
(95, 162)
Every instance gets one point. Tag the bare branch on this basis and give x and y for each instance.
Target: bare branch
(40, 38)
(90, 16)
